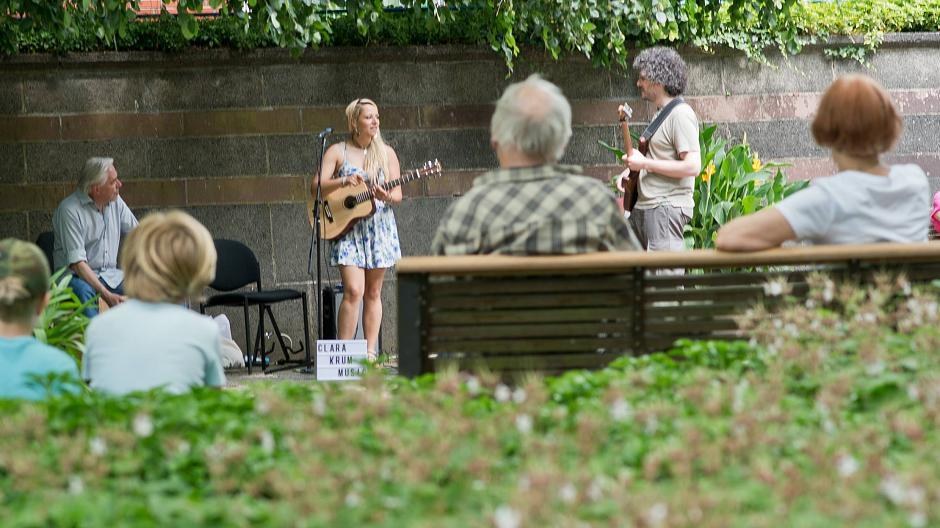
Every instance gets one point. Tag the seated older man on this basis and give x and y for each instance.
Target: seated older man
(88, 225)
(531, 205)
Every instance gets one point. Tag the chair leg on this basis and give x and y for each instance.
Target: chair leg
(277, 331)
(259, 339)
(250, 351)
(303, 299)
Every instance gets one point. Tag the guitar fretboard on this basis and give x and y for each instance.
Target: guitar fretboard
(410, 176)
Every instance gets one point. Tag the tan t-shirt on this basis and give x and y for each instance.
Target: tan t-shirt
(678, 133)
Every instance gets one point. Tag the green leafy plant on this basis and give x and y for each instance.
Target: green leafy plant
(733, 182)
(824, 418)
(62, 324)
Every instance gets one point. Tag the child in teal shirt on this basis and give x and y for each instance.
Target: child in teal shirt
(24, 292)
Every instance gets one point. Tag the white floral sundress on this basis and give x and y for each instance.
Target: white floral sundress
(373, 242)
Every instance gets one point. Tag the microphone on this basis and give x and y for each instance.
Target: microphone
(326, 132)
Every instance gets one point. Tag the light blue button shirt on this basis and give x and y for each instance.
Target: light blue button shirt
(83, 233)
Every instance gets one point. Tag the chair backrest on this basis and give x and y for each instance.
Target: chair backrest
(237, 266)
(46, 242)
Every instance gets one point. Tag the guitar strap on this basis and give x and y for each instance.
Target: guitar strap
(651, 130)
(663, 114)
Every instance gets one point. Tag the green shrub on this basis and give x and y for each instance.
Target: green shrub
(829, 417)
(733, 182)
(63, 322)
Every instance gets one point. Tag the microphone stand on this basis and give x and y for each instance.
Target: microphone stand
(315, 240)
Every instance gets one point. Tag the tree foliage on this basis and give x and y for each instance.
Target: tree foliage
(603, 30)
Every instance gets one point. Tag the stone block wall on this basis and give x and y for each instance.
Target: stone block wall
(230, 136)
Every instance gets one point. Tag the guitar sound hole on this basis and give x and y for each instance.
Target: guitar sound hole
(349, 202)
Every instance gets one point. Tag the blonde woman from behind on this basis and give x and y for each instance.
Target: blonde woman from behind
(152, 340)
(24, 292)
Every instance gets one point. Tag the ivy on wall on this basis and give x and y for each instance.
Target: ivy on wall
(603, 30)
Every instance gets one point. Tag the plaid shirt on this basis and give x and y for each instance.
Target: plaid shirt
(549, 209)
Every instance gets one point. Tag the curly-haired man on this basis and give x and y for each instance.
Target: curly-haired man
(667, 172)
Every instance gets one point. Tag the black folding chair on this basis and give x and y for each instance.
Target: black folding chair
(237, 268)
(46, 242)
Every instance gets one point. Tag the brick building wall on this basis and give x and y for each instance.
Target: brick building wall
(230, 136)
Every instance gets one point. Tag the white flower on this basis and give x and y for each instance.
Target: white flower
(518, 395)
(774, 288)
(621, 411)
(917, 519)
(595, 490)
(97, 446)
(657, 513)
(352, 499)
(319, 405)
(76, 485)
(847, 466)
(473, 385)
(893, 489)
(652, 424)
(568, 493)
(502, 393)
(524, 423)
(875, 367)
(143, 425)
(267, 442)
(506, 517)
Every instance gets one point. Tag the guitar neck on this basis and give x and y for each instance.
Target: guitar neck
(411, 176)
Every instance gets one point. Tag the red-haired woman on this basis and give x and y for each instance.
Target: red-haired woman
(866, 201)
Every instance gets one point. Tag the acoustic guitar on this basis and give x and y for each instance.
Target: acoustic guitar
(344, 206)
(631, 184)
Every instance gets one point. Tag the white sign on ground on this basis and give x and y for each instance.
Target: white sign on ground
(340, 359)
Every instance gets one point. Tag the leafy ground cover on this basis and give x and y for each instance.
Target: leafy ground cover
(828, 417)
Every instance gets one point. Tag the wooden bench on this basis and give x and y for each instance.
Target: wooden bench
(553, 313)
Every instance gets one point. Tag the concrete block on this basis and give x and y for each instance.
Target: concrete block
(291, 242)
(898, 68)
(80, 91)
(12, 163)
(919, 134)
(249, 224)
(40, 221)
(303, 84)
(11, 94)
(583, 149)
(809, 72)
(577, 77)
(61, 161)
(775, 139)
(456, 149)
(14, 225)
(417, 222)
(294, 154)
(202, 89)
(428, 82)
(207, 157)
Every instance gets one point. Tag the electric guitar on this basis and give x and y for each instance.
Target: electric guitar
(344, 206)
(631, 189)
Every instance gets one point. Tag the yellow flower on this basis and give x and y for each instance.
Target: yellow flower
(755, 163)
(707, 173)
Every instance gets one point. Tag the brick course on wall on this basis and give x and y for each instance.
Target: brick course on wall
(230, 136)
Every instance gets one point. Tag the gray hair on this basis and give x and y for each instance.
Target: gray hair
(663, 66)
(533, 116)
(94, 173)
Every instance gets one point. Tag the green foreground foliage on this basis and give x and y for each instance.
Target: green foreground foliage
(603, 30)
(828, 417)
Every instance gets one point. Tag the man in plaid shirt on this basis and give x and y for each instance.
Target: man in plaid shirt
(531, 205)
